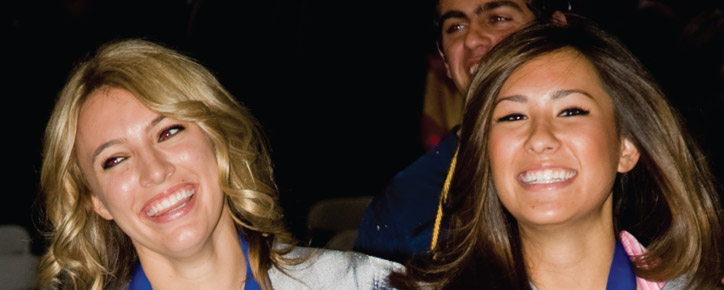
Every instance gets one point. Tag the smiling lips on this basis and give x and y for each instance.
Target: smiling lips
(547, 176)
(170, 203)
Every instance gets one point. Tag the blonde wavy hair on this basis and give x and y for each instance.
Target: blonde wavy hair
(88, 252)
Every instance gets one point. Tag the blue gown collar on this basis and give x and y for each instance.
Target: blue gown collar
(621, 275)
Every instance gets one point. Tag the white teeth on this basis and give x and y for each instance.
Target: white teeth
(547, 176)
(474, 68)
(170, 201)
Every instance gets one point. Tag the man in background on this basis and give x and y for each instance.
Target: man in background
(398, 224)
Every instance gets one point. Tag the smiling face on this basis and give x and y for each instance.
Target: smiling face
(470, 29)
(156, 177)
(553, 144)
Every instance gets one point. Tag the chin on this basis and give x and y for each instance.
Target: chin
(541, 220)
(543, 217)
(184, 241)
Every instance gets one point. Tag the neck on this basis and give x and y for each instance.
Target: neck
(573, 256)
(218, 264)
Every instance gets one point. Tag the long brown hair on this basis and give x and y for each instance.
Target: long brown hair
(668, 200)
(88, 252)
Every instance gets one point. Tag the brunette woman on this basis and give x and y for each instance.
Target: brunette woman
(574, 172)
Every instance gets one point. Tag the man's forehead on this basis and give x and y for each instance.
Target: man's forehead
(478, 6)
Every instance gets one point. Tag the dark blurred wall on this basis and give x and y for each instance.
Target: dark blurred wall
(337, 85)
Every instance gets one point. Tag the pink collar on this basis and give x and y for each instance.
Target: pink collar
(633, 249)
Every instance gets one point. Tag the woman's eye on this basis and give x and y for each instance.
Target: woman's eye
(512, 117)
(575, 111)
(113, 161)
(170, 132)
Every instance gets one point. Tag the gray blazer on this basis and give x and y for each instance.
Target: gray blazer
(329, 269)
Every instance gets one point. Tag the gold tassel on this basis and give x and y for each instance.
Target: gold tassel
(443, 200)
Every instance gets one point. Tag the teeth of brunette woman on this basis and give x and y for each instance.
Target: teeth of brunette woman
(547, 176)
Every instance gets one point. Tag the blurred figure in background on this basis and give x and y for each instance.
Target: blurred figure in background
(398, 223)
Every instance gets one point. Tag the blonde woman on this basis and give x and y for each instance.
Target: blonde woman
(156, 177)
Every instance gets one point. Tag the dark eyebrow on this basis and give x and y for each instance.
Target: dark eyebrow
(514, 98)
(451, 14)
(555, 95)
(103, 146)
(482, 8)
(497, 4)
(155, 122)
(563, 93)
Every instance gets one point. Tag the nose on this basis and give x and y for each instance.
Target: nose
(154, 167)
(478, 38)
(542, 138)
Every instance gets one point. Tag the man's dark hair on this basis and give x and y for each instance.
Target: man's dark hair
(542, 9)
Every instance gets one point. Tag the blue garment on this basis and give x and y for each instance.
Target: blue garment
(398, 223)
(621, 274)
(139, 281)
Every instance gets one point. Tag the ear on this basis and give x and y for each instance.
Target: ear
(100, 208)
(444, 60)
(558, 19)
(629, 156)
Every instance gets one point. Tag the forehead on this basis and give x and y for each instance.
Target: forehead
(110, 104)
(562, 69)
(477, 6)
(109, 113)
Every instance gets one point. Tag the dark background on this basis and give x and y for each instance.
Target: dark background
(337, 85)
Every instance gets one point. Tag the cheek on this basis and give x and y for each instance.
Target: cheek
(600, 146)
(598, 156)
(453, 53)
(184, 156)
(502, 150)
(207, 158)
(117, 190)
(200, 157)
(502, 147)
(498, 37)
(196, 154)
